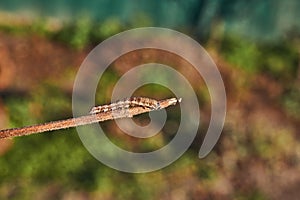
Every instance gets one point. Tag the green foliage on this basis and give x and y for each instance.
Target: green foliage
(107, 28)
(105, 86)
(40, 160)
(253, 194)
(241, 53)
(45, 159)
(207, 170)
(38, 27)
(76, 34)
(49, 102)
(280, 60)
(277, 59)
(84, 32)
(291, 102)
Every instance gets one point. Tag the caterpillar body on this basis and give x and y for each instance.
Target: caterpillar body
(126, 103)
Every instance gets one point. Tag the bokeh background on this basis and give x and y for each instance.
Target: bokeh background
(256, 46)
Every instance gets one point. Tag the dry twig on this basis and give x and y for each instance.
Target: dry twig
(83, 120)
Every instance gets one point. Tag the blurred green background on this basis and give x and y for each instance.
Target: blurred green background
(256, 46)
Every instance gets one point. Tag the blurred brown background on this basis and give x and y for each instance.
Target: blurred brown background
(256, 47)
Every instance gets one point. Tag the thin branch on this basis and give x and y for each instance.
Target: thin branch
(83, 120)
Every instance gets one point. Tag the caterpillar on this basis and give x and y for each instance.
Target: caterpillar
(126, 103)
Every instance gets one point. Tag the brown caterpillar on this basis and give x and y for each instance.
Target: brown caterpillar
(126, 103)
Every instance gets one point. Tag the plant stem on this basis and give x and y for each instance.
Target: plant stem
(83, 120)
